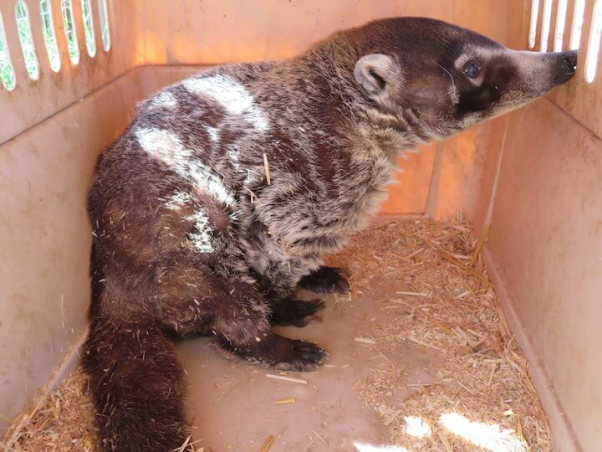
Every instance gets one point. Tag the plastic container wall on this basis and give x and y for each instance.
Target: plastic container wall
(533, 176)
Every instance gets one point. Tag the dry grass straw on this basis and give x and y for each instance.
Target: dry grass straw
(447, 309)
(267, 444)
(266, 167)
(62, 420)
(287, 379)
(446, 306)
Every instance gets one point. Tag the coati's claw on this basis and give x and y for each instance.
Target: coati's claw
(326, 280)
(304, 356)
(296, 312)
(279, 352)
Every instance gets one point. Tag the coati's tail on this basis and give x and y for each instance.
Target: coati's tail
(138, 387)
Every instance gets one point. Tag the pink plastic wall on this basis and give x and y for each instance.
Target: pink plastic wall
(534, 176)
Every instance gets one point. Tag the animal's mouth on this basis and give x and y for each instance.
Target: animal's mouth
(567, 67)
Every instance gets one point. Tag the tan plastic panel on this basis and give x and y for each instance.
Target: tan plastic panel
(464, 170)
(45, 238)
(218, 31)
(410, 192)
(34, 101)
(499, 20)
(546, 237)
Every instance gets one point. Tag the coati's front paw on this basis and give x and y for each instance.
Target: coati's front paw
(301, 356)
(326, 280)
(279, 352)
(295, 312)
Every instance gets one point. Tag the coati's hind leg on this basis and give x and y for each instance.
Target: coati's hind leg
(243, 328)
(278, 284)
(195, 300)
(326, 280)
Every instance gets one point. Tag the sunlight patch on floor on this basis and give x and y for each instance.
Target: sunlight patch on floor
(416, 427)
(361, 447)
(488, 436)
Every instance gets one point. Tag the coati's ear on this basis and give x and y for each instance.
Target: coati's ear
(375, 72)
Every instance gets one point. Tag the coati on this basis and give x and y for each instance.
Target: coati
(222, 194)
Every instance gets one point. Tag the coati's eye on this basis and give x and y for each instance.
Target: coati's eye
(472, 69)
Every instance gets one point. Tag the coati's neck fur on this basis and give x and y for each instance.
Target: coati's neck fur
(327, 71)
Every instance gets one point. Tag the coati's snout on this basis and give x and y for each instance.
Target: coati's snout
(563, 66)
(450, 78)
(543, 71)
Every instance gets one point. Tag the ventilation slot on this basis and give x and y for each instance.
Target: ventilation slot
(577, 25)
(593, 46)
(70, 32)
(7, 72)
(52, 48)
(560, 25)
(533, 23)
(545, 26)
(26, 38)
(88, 27)
(105, 32)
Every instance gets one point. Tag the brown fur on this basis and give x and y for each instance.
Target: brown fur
(189, 238)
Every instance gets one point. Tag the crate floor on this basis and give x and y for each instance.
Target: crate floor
(420, 359)
(234, 404)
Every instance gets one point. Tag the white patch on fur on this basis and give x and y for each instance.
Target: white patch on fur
(177, 200)
(201, 239)
(162, 145)
(214, 185)
(168, 148)
(213, 133)
(164, 99)
(453, 94)
(249, 177)
(234, 159)
(231, 95)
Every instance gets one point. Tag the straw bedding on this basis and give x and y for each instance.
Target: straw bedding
(447, 309)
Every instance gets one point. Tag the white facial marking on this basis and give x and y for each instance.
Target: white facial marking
(453, 94)
(231, 95)
(461, 61)
(470, 119)
(168, 148)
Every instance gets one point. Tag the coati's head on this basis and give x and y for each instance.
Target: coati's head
(447, 77)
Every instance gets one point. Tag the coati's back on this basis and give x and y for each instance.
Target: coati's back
(226, 188)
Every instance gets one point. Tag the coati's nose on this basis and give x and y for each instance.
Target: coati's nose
(565, 64)
(570, 60)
